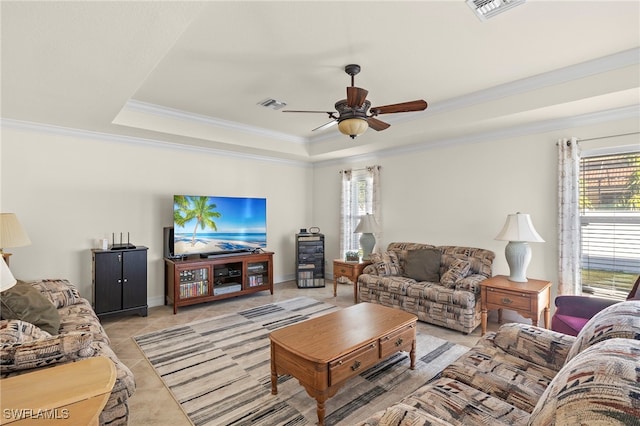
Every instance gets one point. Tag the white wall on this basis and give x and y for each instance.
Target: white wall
(69, 191)
(461, 195)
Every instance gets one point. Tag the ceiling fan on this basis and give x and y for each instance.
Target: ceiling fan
(352, 118)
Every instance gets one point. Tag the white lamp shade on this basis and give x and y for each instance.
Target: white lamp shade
(367, 225)
(519, 227)
(6, 277)
(12, 234)
(353, 126)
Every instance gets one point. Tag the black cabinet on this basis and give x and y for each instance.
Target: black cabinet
(310, 260)
(120, 281)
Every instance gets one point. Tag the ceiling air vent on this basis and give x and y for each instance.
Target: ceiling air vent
(272, 103)
(485, 9)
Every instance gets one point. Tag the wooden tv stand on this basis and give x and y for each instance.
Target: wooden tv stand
(197, 280)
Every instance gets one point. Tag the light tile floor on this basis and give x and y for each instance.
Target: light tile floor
(153, 404)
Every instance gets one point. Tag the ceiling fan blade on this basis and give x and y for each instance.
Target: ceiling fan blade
(356, 96)
(326, 125)
(323, 112)
(418, 105)
(376, 124)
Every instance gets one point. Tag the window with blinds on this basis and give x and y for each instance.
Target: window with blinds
(610, 223)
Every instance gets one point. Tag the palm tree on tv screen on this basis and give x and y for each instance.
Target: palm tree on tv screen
(197, 208)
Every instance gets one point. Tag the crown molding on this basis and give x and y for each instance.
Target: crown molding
(629, 112)
(176, 114)
(632, 111)
(113, 138)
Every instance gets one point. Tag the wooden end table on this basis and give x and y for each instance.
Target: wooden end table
(529, 299)
(324, 352)
(67, 394)
(350, 270)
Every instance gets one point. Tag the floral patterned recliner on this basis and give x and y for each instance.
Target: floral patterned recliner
(526, 375)
(25, 346)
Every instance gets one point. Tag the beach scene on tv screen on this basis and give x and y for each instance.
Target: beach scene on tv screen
(204, 224)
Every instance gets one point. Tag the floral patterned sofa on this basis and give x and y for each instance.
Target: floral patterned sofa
(25, 346)
(526, 375)
(448, 298)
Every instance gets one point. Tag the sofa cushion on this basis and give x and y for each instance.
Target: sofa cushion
(517, 381)
(619, 320)
(402, 249)
(404, 415)
(423, 265)
(481, 260)
(45, 351)
(457, 271)
(460, 404)
(386, 264)
(80, 317)
(59, 292)
(534, 344)
(18, 331)
(597, 387)
(26, 303)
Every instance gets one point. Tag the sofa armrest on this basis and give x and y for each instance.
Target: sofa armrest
(45, 351)
(471, 283)
(535, 344)
(581, 306)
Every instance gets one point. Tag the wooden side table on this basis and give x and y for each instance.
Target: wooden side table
(529, 299)
(67, 394)
(350, 270)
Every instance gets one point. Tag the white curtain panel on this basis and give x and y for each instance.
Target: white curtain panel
(376, 207)
(569, 281)
(346, 225)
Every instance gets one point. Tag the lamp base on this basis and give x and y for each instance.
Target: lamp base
(518, 255)
(367, 242)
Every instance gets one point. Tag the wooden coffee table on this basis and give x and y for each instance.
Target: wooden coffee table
(324, 352)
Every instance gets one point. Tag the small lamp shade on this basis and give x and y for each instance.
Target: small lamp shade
(519, 231)
(367, 226)
(518, 227)
(353, 127)
(12, 234)
(6, 277)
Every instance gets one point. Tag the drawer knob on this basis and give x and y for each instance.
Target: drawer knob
(355, 365)
(399, 341)
(506, 301)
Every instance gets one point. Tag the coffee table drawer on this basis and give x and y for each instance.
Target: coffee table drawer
(508, 299)
(353, 363)
(399, 340)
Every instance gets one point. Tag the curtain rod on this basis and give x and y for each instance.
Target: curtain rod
(610, 136)
(363, 168)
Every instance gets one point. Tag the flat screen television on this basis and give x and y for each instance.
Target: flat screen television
(209, 225)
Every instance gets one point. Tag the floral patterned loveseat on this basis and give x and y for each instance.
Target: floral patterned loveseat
(26, 346)
(450, 298)
(526, 375)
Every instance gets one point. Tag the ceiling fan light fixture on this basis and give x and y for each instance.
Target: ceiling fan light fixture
(353, 127)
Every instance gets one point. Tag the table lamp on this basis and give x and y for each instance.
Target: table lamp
(367, 227)
(519, 231)
(6, 277)
(12, 234)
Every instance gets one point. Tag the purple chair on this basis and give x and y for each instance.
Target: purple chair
(573, 312)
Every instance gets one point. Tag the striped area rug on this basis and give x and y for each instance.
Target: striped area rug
(219, 370)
